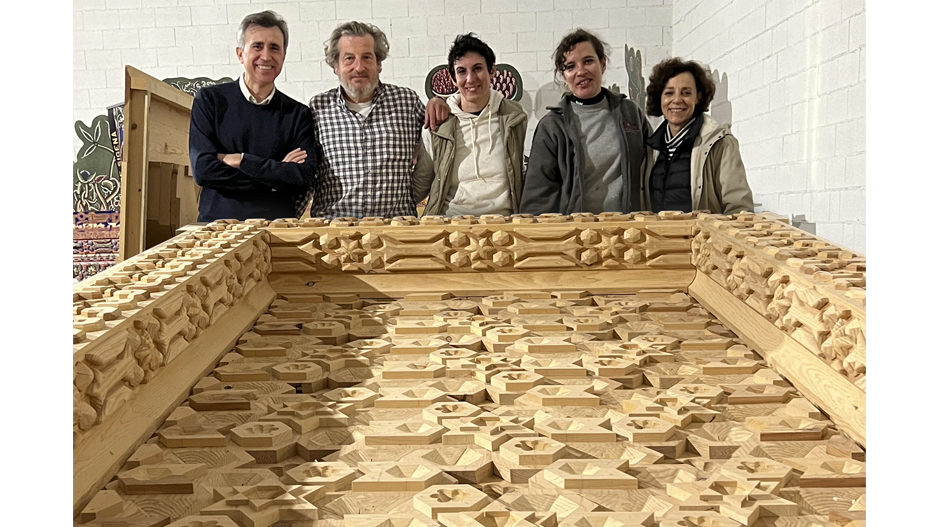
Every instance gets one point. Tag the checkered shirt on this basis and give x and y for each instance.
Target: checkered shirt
(365, 163)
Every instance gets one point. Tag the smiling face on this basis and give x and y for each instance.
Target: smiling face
(262, 57)
(357, 68)
(679, 99)
(473, 81)
(583, 71)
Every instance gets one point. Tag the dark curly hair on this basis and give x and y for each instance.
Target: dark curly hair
(668, 69)
(469, 43)
(573, 39)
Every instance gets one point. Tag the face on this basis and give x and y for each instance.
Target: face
(473, 80)
(262, 56)
(679, 99)
(357, 68)
(583, 71)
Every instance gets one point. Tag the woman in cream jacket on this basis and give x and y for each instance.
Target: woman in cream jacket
(472, 164)
(692, 161)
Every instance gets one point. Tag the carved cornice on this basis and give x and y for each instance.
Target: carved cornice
(808, 287)
(134, 319)
(490, 243)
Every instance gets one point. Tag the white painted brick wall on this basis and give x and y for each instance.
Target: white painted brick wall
(796, 84)
(795, 68)
(196, 38)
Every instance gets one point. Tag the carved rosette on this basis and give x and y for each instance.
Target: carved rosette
(132, 320)
(760, 262)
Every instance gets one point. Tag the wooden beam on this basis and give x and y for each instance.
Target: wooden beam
(187, 196)
(102, 451)
(833, 393)
(482, 284)
(134, 173)
(138, 80)
(156, 130)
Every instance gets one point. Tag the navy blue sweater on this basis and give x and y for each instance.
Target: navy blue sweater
(224, 122)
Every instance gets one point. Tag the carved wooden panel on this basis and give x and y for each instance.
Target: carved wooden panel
(490, 243)
(648, 412)
(806, 286)
(139, 316)
(530, 405)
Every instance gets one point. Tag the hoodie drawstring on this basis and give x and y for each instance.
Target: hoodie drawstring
(473, 148)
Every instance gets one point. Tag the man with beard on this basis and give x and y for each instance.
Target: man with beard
(366, 132)
(251, 147)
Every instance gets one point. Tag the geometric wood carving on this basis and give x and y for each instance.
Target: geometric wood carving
(529, 404)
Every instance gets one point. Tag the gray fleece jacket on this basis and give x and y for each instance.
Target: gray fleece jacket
(556, 161)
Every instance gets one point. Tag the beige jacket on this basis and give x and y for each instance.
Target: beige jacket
(719, 181)
(432, 171)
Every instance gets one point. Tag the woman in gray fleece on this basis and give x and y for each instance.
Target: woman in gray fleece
(587, 152)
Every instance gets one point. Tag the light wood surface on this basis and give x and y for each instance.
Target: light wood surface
(483, 284)
(809, 288)
(156, 199)
(545, 397)
(843, 401)
(103, 449)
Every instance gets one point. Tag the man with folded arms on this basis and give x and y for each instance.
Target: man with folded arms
(250, 146)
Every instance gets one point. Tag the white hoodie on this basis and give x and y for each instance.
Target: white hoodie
(478, 182)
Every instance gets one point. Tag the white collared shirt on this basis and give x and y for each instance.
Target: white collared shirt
(249, 96)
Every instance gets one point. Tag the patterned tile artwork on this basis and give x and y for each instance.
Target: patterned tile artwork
(96, 195)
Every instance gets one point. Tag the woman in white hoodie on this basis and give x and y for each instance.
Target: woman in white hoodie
(472, 163)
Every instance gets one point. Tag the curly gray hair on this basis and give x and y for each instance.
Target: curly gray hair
(356, 29)
(263, 19)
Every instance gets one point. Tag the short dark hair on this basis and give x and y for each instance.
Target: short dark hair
(668, 69)
(573, 39)
(263, 19)
(469, 43)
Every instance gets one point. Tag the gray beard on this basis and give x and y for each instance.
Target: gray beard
(359, 95)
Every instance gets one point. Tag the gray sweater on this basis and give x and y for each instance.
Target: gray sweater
(602, 186)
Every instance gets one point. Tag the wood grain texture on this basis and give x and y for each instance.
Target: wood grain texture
(483, 284)
(133, 171)
(517, 243)
(808, 287)
(104, 448)
(843, 401)
(143, 317)
(519, 381)
(156, 130)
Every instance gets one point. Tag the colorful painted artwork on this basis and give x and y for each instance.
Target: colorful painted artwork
(116, 126)
(95, 237)
(96, 196)
(96, 185)
(507, 81)
(96, 181)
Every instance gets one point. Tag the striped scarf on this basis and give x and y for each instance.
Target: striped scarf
(673, 141)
